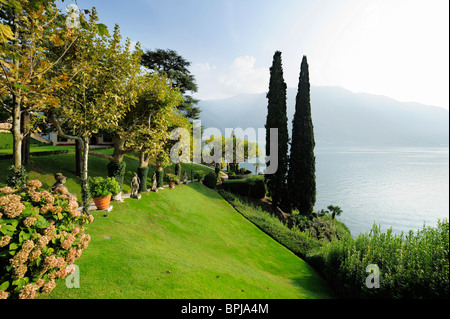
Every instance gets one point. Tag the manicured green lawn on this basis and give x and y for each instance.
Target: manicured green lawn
(194, 234)
(190, 231)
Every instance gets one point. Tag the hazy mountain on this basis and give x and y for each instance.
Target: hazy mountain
(341, 117)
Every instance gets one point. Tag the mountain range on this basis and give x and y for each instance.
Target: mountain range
(340, 118)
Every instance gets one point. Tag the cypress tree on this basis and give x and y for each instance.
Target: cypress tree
(277, 118)
(302, 171)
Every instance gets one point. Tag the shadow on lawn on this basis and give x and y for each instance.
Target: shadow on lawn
(314, 285)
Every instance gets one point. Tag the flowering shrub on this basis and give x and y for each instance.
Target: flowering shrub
(41, 233)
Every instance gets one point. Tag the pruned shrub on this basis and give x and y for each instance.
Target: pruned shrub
(160, 177)
(142, 174)
(210, 180)
(117, 170)
(244, 175)
(41, 233)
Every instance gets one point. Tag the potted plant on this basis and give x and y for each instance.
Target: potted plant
(171, 179)
(101, 190)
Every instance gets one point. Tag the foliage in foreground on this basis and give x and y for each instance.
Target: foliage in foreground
(41, 233)
(415, 265)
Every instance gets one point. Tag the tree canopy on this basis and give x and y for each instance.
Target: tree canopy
(176, 68)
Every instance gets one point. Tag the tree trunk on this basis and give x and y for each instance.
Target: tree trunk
(178, 170)
(159, 174)
(17, 135)
(119, 147)
(25, 122)
(143, 171)
(78, 158)
(143, 159)
(84, 174)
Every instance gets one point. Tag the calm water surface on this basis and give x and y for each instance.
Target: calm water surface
(402, 188)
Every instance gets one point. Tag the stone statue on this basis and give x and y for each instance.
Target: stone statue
(154, 183)
(135, 182)
(185, 177)
(60, 180)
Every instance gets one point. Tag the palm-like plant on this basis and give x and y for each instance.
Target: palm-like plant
(335, 211)
(257, 165)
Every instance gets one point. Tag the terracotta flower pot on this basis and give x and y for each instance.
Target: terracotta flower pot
(102, 202)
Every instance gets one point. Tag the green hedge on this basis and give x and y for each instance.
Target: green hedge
(251, 187)
(117, 170)
(43, 153)
(142, 174)
(412, 266)
(160, 178)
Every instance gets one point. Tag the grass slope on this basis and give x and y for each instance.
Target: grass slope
(190, 231)
(196, 235)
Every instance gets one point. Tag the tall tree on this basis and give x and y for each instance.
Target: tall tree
(102, 72)
(302, 171)
(177, 70)
(26, 29)
(277, 118)
(146, 125)
(233, 148)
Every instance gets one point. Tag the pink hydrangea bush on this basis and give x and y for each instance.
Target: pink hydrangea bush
(41, 233)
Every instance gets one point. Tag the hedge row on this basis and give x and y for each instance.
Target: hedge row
(250, 187)
(43, 153)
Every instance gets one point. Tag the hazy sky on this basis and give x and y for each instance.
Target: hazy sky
(397, 48)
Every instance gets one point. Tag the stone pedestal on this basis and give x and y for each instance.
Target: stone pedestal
(118, 198)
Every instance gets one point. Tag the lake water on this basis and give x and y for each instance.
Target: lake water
(402, 188)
